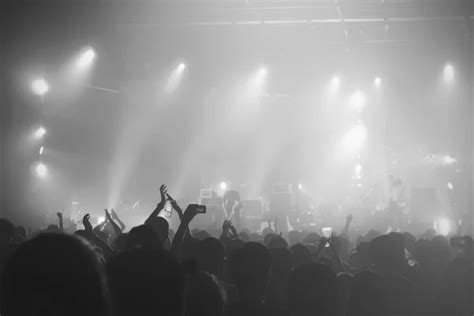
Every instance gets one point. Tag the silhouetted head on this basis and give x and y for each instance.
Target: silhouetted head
(268, 237)
(244, 236)
(294, 237)
(384, 253)
(144, 281)
(282, 263)
(277, 242)
(160, 226)
(145, 236)
(205, 296)
(7, 229)
(211, 256)
(312, 290)
(54, 274)
(367, 296)
(249, 269)
(312, 238)
(301, 254)
(267, 230)
(372, 234)
(120, 243)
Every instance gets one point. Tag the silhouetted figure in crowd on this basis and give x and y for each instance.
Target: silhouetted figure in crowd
(210, 256)
(368, 297)
(144, 236)
(205, 296)
(54, 274)
(144, 281)
(301, 254)
(282, 263)
(312, 290)
(249, 268)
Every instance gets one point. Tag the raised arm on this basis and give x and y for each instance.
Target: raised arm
(159, 206)
(109, 219)
(345, 230)
(119, 221)
(106, 250)
(225, 229)
(189, 214)
(332, 245)
(60, 218)
(175, 206)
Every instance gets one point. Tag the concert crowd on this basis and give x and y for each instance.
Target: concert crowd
(149, 269)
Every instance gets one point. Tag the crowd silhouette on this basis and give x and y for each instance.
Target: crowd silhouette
(151, 270)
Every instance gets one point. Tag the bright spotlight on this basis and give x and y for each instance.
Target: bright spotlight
(377, 82)
(448, 73)
(40, 132)
(41, 170)
(358, 100)
(260, 76)
(86, 58)
(300, 186)
(223, 186)
(101, 219)
(335, 83)
(40, 86)
(442, 226)
(450, 186)
(181, 67)
(41, 150)
(175, 78)
(448, 160)
(354, 140)
(358, 171)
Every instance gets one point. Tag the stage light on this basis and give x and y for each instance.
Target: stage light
(450, 186)
(41, 150)
(260, 76)
(300, 186)
(40, 87)
(334, 84)
(175, 78)
(448, 73)
(86, 58)
(181, 67)
(100, 220)
(442, 226)
(448, 160)
(358, 100)
(354, 140)
(377, 82)
(223, 186)
(41, 170)
(358, 171)
(40, 132)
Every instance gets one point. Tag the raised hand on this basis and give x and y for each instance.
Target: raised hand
(163, 192)
(349, 218)
(108, 217)
(86, 222)
(59, 215)
(114, 215)
(226, 224)
(190, 213)
(323, 242)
